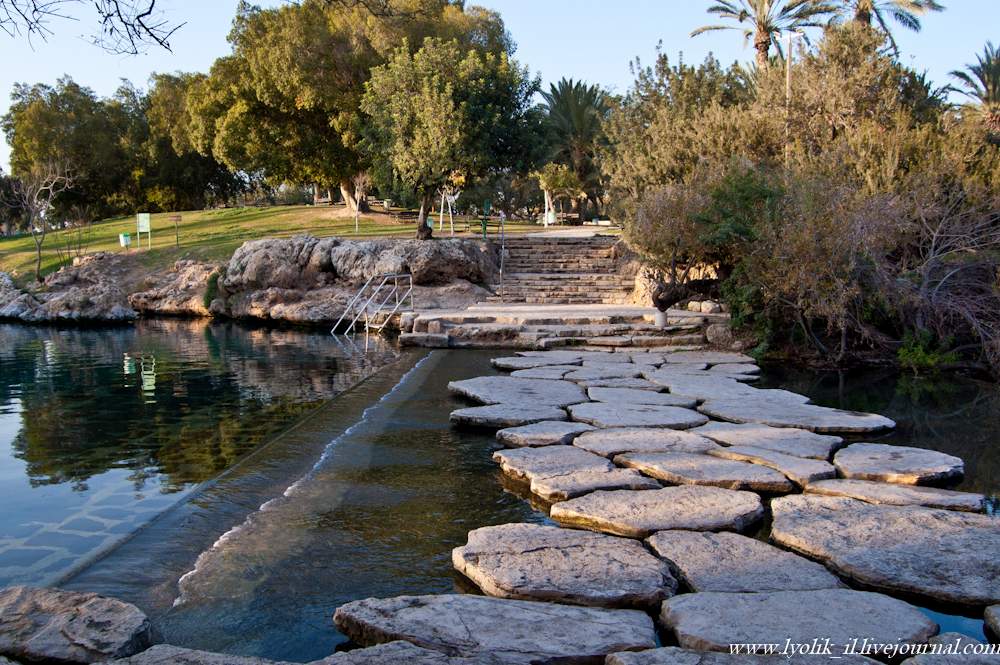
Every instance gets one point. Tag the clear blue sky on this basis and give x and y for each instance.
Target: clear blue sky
(592, 40)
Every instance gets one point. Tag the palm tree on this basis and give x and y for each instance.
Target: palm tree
(576, 112)
(763, 21)
(981, 82)
(904, 12)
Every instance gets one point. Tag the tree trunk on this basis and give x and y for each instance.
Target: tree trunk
(863, 14)
(347, 192)
(424, 231)
(39, 239)
(762, 42)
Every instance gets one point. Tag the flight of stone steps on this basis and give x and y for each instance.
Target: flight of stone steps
(561, 271)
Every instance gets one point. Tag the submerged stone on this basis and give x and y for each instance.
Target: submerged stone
(69, 627)
(734, 563)
(511, 631)
(785, 440)
(545, 433)
(534, 562)
(631, 396)
(512, 390)
(765, 410)
(899, 495)
(898, 464)
(696, 469)
(637, 514)
(606, 414)
(799, 470)
(617, 440)
(940, 554)
(713, 621)
(506, 415)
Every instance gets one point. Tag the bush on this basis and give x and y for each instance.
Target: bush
(921, 353)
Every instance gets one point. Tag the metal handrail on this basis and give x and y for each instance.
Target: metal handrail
(350, 304)
(365, 310)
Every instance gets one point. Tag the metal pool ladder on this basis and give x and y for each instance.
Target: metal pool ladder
(395, 288)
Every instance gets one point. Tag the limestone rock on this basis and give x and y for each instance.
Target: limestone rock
(736, 564)
(898, 464)
(634, 384)
(577, 483)
(992, 618)
(630, 396)
(799, 470)
(499, 416)
(542, 434)
(708, 357)
(899, 495)
(719, 334)
(624, 370)
(534, 562)
(66, 626)
(678, 656)
(402, 652)
(785, 440)
(511, 390)
(551, 372)
(557, 473)
(512, 631)
(764, 410)
(531, 362)
(637, 514)
(605, 414)
(940, 554)
(955, 649)
(735, 368)
(694, 469)
(615, 441)
(165, 654)
(180, 293)
(713, 621)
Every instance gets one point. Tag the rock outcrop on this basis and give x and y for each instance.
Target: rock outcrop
(180, 292)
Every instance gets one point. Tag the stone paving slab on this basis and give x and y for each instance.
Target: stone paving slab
(499, 416)
(678, 656)
(557, 473)
(165, 654)
(944, 555)
(634, 384)
(955, 642)
(535, 562)
(637, 514)
(899, 495)
(606, 414)
(765, 410)
(69, 627)
(736, 368)
(713, 621)
(577, 483)
(734, 563)
(635, 397)
(550, 372)
(545, 433)
(512, 631)
(614, 441)
(512, 390)
(708, 357)
(904, 465)
(799, 470)
(626, 371)
(521, 362)
(697, 469)
(708, 386)
(785, 440)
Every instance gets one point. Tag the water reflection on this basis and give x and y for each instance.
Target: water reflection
(101, 429)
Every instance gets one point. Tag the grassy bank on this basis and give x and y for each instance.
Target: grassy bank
(210, 235)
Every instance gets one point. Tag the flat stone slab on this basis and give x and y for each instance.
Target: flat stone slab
(678, 656)
(500, 416)
(708, 358)
(165, 654)
(67, 626)
(899, 495)
(522, 362)
(785, 440)
(799, 470)
(607, 414)
(733, 563)
(696, 469)
(940, 554)
(904, 465)
(512, 390)
(713, 621)
(534, 562)
(625, 370)
(992, 619)
(511, 631)
(615, 441)
(634, 384)
(630, 396)
(549, 372)
(638, 514)
(736, 368)
(557, 473)
(709, 386)
(545, 433)
(955, 649)
(765, 410)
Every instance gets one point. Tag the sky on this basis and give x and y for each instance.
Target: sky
(593, 40)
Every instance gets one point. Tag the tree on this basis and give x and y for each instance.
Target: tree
(123, 26)
(558, 181)
(33, 194)
(576, 113)
(904, 12)
(981, 83)
(444, 110)
(763, 21)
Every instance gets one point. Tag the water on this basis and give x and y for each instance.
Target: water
(101, 430)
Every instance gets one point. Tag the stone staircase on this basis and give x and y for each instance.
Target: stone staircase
(545, 270)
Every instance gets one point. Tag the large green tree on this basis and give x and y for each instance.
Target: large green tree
(981, 83)
(575, 117)
(904, 12)
(445, 110)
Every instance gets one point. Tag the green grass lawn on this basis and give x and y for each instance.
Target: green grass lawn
(211, 235)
